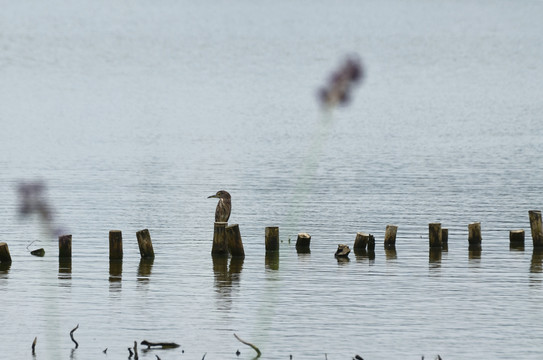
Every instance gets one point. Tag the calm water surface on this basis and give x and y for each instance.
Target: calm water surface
(134, 112)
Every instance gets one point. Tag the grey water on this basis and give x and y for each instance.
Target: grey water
(133, 112)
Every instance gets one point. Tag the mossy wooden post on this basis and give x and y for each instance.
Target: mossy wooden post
(115, 245)
(444, 239)
(303, 242)
(537, 229)
(435, 235)
(361, 241)
(145, 244)
(5, 256)
(516, 239)
(272, 238)
(474, 236)
(233, 238)
(390, 236)
(65, 246)
(220, 247)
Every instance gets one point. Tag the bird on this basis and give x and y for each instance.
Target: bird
(222, 212)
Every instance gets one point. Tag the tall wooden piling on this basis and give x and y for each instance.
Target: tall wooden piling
(444, 239)
(536, 227)
(220, 247)
(233, 239)
(474, 236)
(145, 244)
(390, 236)
(5, 256)
(65, 246)
(371, 243)
(115, 245)
(361, 241)
(303, 243)
(435, 235)
(272, 238)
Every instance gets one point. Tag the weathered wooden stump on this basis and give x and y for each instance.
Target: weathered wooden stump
(361, 241)
(474, 236)
(435, 235)
(272, 238)
(233, 238)
(342, 250)
(445, 239)
(516, 239)
(303, 243)
(390, 236)
(65, 246)
(537, 229)
(5, 256)
(115, 245)
(145, 244)
(220, 247)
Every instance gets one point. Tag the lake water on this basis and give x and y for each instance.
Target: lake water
(133, 112)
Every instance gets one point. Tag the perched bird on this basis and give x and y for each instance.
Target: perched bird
(222, 212)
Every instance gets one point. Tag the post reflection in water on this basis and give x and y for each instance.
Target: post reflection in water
(474, 257)
(65, 268)
(536, 265)
(226, 277)
(391, 254)
(272, 260)
(4, 269)
(115, 274)
(362, 254)
(144, 269)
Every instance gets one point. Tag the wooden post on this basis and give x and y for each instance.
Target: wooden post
(361, 241)
(220, 248)
(474, 236)
(537, 229)
(390, 236)
(115, 245)
(435, 235)
(445, 239)
(371, 243)
(303, 242)
(233, 238)
(65, 246)
(4, 253)
(272, 238)
(516, 238)
(145, 244)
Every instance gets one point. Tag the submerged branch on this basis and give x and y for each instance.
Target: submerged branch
(72, 336)
(249, 344)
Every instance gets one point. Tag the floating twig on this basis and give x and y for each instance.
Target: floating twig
(203, 357)
(131, 353)
(105, 351)
(136, 350)
(157, 358)
(164, 345)
(34, 345)
(249, 344)
(72, 336)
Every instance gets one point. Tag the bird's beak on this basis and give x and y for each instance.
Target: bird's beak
(212, 196)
